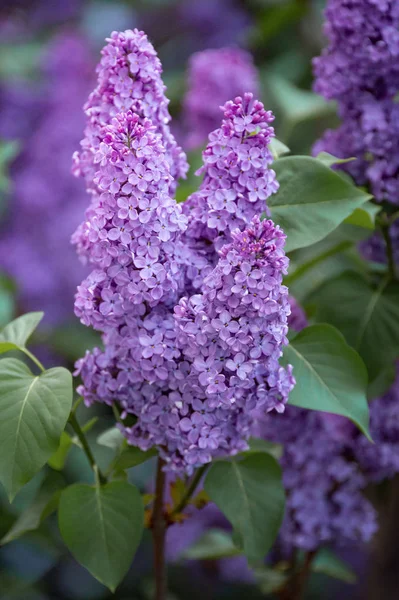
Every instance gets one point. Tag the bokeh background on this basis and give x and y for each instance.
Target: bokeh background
(48, 53)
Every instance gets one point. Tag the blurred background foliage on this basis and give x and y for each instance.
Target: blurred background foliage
(283, 36)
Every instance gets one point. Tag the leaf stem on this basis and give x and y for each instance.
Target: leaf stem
(295, 587)
(158, 534)
(34, 359)
(389, 249)
(190, 490)
(302, 269)
(86, 448)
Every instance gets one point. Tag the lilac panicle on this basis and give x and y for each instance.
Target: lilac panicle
(237, 181)
(381, 460)
(190, 371)
(323, 482)
(130, 233)
(214, 76)
(360, 70)
(195, 380)
(129, 78)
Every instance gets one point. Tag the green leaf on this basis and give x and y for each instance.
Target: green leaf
(278, 148)
(250, 494)
(212, 545)
(367, 316)
(260, 445)
(328, 563)
(329, 160)
(102, 527)
(131, 457)
(330, 375)
(269, 579)
(297, 104)
(364, 216)
(57, 460)
(111, 438)
(15, 335)
(33, 413)
(43, 505)
(312, 200)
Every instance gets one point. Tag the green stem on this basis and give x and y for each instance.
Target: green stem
(315, 261)
(190, 490)
(390, 257)
(34, 359)
(86, 448)
(159, 533)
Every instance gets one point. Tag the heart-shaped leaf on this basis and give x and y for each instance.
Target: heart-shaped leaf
(102, 527)
(33, 413)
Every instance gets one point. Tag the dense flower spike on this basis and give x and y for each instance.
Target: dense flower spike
(237, 182)
(381, 460)
(195, 381)
(215, 76)
(323, 482)
(360, 70)
(191, 379)
(40, 257)
(129, 78)
(129, 235)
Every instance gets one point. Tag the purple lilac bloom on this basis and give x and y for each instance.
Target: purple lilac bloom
(360, 70)
(46, 200)
(131, 230)
(297, 319)
(214, 23)
(323, 481)
(214, 76)
(129, 78)
(195, 380)
(236, 184)
(381, 460)
(192, 377)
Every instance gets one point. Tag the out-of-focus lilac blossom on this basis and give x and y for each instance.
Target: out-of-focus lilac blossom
(214, 76)
(47, 201)
(381, 460)
(297, 319)
(360, 70)
(22, 18)
(323, 481)
(214, 23)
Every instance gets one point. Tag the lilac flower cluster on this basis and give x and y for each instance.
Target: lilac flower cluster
(214, 76)
(46, 201)
(236, 184)
(195, 380)
(190, 378)
(360, 70)
(132, 232)
(381, 460)
(129, 78)
(323, 482)
(297, 319)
